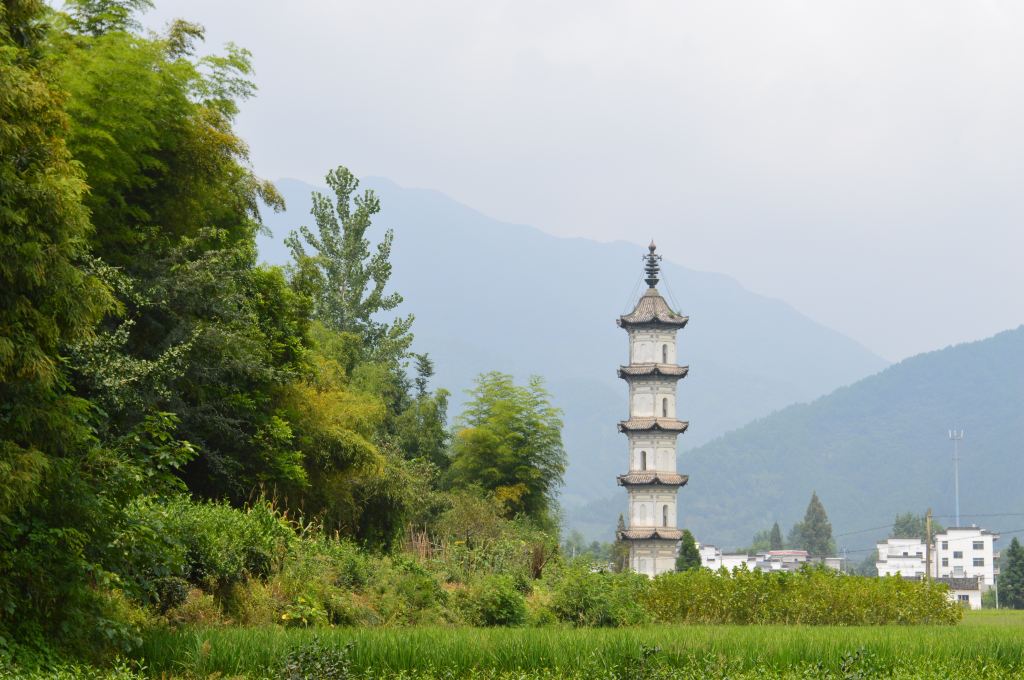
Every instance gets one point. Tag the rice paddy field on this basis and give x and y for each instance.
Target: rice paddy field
(986, 644)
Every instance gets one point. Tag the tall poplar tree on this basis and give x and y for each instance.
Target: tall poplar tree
(775, 538)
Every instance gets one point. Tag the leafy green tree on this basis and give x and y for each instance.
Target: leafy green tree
(345, 280)
(911, 525)
(814, 533)
(509, 442)
(775, 538)
(53, 473)
(421, 429)
(689, 555)
(1011, 578)
(760, 543)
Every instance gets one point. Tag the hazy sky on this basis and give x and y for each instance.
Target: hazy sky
(862, 160)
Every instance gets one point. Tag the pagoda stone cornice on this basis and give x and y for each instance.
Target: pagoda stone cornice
(649, 424)
(653, 370)
(653, 479)
(647, 533)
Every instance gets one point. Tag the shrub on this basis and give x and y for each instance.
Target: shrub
(584, 597)
(814, 596)
(495, 601)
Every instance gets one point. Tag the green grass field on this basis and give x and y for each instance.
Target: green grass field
(985, 645)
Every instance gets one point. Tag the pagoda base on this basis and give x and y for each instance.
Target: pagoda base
(651, 557)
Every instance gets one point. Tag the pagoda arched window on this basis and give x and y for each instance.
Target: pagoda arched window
(643, 460)
(664, 354)
(664, 515)
(664, 407)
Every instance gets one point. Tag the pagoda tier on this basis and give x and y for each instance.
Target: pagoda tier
(648, 533)
(653, 370)
(653, 478)
(648, 424)
(652, 310)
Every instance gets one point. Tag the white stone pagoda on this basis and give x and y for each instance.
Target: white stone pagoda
(652, 428)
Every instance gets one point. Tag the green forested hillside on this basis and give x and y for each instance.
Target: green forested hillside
(873, 449)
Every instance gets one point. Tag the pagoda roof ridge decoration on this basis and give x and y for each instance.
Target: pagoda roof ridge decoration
(653, 478)
(651, 369)
(642, 424)
(645, 533)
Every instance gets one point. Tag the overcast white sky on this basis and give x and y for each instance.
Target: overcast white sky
(861, 160)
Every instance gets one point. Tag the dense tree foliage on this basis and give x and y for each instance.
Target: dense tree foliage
(775, 538)
(145, 353)
(912, 525)
(509, 442)
(689, 555)
(814, 533)
(1011, 580)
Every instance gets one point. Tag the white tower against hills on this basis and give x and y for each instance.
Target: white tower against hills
(652, 481)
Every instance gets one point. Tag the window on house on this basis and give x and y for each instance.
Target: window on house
(917, 554)
(979, 562)
(664, 516)
(643, 460)
(979, 545)
(963, 598)
(945, 561)
(958, 554)
(945, 545)
(664, 354)
(664, 407)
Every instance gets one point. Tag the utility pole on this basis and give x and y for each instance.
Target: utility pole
(956, 436)
(928, 544)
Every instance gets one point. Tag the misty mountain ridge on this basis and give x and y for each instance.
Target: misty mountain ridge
(874, 449)
(489, 295)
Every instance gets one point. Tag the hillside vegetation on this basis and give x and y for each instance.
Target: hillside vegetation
(874, 449)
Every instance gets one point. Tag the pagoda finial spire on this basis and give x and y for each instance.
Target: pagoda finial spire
(652, 267)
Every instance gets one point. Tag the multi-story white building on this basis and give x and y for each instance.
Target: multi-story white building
(962, 557)
(966, 552)
(901, 557)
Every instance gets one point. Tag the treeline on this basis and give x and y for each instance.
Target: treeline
(146, 356)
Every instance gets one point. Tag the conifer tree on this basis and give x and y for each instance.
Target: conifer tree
(620, 549)
(775, 538)
(1011, 580)
(689, 556)
(814, 533)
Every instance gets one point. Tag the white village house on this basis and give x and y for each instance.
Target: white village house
(962, 557)
(768, 560)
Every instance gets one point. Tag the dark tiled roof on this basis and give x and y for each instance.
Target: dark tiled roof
(652, 309)
(663, 478)
(959, 583)
(668, 424)
(652, 532)
(666, 370)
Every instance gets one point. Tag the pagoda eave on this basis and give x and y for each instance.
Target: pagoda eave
(652, 533)
(653, 370)
(653, 424)
(653, 479)
(653, 323)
